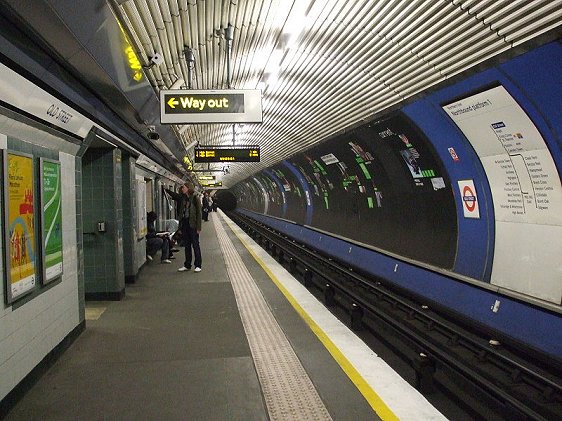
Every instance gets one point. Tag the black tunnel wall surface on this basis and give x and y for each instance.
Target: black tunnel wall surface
(226, 200)
(382, 185)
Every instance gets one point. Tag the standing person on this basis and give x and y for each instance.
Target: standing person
(215, 203)
(206, 207)
(189, 209)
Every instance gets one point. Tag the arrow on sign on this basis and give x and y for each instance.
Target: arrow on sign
(172, 102)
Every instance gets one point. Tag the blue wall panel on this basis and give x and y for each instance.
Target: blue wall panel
(537, 74)
(306, 191)
(475, 239)
(523, 322)
(281, 190)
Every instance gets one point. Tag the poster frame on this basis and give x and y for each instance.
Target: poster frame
(9, 296)
(141, 206)
(44, 279)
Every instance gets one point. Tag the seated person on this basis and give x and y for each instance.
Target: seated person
(157, 240)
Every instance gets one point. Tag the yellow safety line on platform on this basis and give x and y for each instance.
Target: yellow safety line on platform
(374, 400)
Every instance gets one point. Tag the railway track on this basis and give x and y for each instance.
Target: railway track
(448, 355)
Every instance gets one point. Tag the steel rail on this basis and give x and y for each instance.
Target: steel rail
(346, 282)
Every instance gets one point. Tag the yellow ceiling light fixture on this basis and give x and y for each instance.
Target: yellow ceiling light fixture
(134, 63)
(187, 162)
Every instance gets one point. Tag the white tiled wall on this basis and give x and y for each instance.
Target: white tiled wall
(30, 332)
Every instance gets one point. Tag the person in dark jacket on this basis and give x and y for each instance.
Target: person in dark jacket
(215, 203)
(206, 206)
(189, 215)
(156, 241)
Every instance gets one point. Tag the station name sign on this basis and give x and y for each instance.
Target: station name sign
(209, 154)
(182, 106)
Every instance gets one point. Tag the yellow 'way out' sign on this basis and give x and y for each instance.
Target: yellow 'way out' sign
(182, 106)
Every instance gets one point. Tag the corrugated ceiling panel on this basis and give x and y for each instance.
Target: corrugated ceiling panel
(323, 65)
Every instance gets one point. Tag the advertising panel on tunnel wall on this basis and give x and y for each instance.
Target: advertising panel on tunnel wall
(51, 219)
(382, 185)
(141, 206)
(273, 196)
(526, 190)
(294, 195)
(19, 223)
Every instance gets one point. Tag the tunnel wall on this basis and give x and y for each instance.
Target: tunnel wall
(520, 321)
(424, 188)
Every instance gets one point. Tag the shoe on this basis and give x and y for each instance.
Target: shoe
(197, 270)
(171, 257)
(183, 269)
(174, 250)
(149, 257)
(166, 261)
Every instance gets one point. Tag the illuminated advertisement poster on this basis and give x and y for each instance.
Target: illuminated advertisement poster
(19, 220)
(51, 222)
(141, 207)
(380, 185)
(526, 190)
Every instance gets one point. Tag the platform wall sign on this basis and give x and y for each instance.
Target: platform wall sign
(525, 186)
(469, 199)
(51, 219)
(23, 94)
(19, 230)
(205, 154)
(181, 106)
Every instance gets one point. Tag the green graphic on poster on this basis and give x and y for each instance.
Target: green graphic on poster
(20, 223)
(52, 219)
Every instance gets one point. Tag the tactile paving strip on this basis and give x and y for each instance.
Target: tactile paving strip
(288, 391)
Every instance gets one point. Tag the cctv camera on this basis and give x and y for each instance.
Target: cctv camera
(153, 136)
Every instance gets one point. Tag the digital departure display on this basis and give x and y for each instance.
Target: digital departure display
(210, 154)
(211, 183)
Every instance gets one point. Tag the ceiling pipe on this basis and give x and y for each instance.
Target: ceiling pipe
(178, 83)
(229, 36)
(191, 145)
(190, 58)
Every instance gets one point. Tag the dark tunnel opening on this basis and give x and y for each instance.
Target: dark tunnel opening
(227, 200)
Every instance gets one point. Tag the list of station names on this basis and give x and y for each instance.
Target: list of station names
(527, 183)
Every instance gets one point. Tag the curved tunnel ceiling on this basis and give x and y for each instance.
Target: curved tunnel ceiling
(322, 65)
